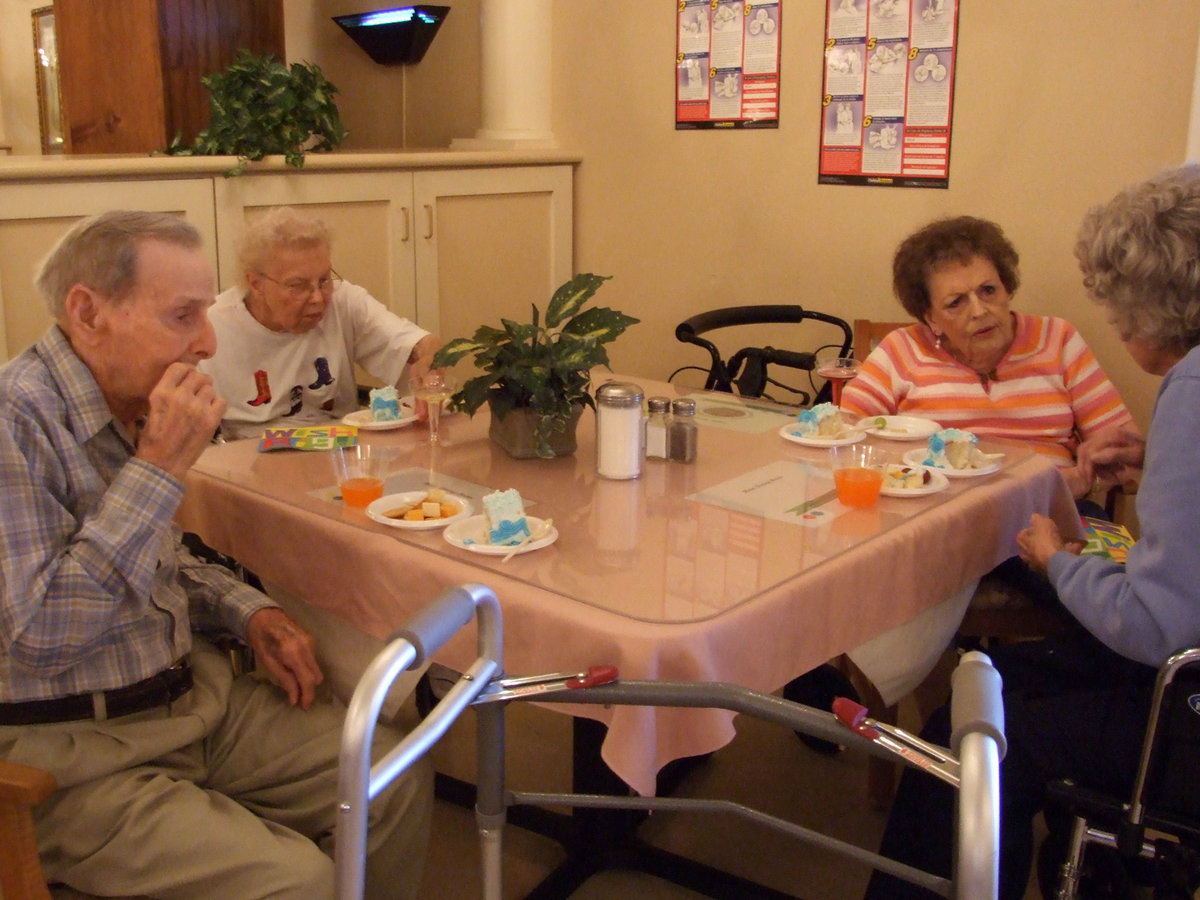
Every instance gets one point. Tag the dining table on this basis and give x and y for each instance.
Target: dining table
(739, 567)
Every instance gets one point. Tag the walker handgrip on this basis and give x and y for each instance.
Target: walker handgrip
(437, 622)
(975, 701)
(849, 713)
(593, 676)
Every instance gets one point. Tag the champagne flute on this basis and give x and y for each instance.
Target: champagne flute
(837, 370)
(435, 388)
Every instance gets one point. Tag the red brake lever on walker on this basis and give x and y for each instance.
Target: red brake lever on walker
(593, 676)
(916, 752)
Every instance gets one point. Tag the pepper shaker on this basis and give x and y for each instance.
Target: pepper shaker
(682, 435)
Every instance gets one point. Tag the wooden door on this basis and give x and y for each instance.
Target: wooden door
(130, 71)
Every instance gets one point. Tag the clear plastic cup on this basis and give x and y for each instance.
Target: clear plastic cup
(360, 471)
(857, 473)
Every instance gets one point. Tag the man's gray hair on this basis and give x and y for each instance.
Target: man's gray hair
(101, 252)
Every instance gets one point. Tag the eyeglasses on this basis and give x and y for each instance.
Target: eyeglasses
(302, 289)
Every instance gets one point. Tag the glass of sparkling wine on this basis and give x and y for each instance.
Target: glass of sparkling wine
(435, 388)
(837, 370)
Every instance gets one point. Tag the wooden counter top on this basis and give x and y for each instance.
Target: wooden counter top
(55, 168)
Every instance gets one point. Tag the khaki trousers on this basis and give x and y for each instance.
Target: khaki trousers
(230, 793)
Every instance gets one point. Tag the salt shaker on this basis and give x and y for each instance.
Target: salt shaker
(682, 433)
(620, 430)
(656, 427)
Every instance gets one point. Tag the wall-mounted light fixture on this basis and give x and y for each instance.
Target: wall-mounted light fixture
(395, 36)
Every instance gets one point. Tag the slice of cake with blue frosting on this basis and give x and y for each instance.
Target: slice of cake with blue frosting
(953, 448)
(822, 420)
(505, 511)
(385, 404)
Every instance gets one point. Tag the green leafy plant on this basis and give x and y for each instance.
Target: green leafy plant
(262, 106)
(542, 365)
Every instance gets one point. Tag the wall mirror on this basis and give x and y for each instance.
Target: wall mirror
(45, 50)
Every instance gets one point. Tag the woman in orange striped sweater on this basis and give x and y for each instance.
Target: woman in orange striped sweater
(972, 362)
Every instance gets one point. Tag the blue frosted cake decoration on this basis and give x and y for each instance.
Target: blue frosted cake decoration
(385, 404)
(810, 419)
(936, 456)
(505, 511)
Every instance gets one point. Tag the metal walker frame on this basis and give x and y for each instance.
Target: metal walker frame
(972, 768)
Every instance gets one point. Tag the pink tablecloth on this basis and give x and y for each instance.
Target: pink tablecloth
(375, 579)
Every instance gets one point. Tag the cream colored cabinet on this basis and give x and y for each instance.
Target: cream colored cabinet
(448, 247)
(368, 213)
(489, 242)
(34, 215)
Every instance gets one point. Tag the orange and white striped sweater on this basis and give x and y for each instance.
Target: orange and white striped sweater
(1048, 389)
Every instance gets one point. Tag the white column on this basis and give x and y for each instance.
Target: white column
(515, 74)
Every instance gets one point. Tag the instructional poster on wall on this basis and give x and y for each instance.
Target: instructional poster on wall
(727, 64)
(888, 96)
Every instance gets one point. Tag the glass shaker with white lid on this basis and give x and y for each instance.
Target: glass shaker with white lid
(620, 430)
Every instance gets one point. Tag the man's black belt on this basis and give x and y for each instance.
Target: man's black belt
(157, 690)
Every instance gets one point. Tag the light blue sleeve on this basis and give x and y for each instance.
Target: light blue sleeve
(1150, 607)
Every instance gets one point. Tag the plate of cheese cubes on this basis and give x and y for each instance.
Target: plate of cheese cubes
(432, 508)
(503, 529)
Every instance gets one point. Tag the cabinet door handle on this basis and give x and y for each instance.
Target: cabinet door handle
(404, 213)
(428, 222)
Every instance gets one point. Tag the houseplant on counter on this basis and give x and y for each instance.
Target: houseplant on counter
(538, 372)
(261, 105)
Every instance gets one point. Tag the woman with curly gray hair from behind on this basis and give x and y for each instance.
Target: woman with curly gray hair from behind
(1076, 706)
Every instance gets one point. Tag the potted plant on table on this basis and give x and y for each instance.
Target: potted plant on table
(536, 375)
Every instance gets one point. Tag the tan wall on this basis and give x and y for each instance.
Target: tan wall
(17, 79)
(1049, 119)
(440, 94)
(1046, 123)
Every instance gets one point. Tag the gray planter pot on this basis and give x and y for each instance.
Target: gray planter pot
(515, 433)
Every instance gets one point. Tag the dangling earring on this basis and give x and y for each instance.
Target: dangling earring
(938, 341)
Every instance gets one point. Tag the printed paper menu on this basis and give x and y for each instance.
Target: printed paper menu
(888, 95)
(727, 64)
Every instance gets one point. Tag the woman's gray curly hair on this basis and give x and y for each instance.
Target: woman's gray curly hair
(279, 228)
(1140, 258)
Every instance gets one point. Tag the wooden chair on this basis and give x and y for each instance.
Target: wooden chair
(21, 789)
(868, 334)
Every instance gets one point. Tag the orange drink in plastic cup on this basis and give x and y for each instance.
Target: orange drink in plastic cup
(855, 487)
(360, 471)
(857, 474)
(361, 492)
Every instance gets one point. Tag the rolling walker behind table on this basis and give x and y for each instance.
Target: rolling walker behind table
(972, 766)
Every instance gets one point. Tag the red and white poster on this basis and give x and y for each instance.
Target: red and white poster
(888, 96)
(727, 64)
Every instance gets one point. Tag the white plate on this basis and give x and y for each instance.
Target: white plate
(918, 455)
(902, 428)
(937, 482)
(787, 433)
(471, 534)
(377, 508)
(361, 418)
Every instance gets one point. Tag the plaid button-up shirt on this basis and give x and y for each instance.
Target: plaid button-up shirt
(96, 591)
